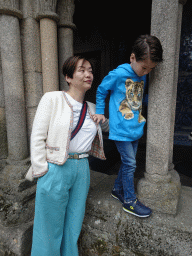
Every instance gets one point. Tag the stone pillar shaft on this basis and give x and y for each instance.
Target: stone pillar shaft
(32, 67)
(65, 35)
(162, 90)
(3, 131)
(175, 83)
(160, 189)
(13, 87)
(48, 31)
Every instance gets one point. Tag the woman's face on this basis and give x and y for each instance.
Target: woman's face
(82, 76)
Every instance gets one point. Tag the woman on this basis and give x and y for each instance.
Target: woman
(59, 160)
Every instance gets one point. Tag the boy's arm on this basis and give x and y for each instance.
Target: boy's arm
(107, 84)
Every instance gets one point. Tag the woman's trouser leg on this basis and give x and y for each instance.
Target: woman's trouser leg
(76, 209)
(53, 199)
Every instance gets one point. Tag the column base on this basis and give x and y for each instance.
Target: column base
(16, 240)
(17, 203)
(160, 196)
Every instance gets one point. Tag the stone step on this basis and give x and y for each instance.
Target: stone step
(108, 230)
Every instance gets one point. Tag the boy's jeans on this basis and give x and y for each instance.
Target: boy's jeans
(124, 184)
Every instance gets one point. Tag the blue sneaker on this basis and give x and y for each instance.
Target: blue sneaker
(117, 196)
(137, 208)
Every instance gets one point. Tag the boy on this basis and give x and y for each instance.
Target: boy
(126, 85)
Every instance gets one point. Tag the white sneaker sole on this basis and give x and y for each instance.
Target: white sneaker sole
(116, 198)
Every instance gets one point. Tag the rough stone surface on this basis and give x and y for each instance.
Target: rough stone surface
(108, 230)
(17, 202)
(16, 196)
(16, 241)
(162, 197)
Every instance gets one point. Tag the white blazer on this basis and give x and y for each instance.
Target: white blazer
(51, 133)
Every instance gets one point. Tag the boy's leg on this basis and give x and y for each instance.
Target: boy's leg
(127, 150)
(51, 201)
(118, 186)
(131, 204)
(76, 208)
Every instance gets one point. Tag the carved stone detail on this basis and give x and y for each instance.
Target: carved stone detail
(13, 4)
(47, 9)
(10, 7)
(65, 11)
(183, 2)
(46, 6)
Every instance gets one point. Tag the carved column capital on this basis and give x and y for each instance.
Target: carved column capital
(183, 2)
(65, 11)
(47, 9)
(10, 7)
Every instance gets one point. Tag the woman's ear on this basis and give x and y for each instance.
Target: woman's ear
(68, 79)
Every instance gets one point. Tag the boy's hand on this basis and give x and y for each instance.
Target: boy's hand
(98, 118)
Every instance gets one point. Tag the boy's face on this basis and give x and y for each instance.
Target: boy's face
(142, 67)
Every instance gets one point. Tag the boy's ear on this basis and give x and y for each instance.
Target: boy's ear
(132, 57)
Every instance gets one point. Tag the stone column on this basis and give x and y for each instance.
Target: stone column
(13, 82)
(16, 194)
(3, 131)
(32, 66)
(160, 188)
(66, 26)
(48, 34)
(175, 83)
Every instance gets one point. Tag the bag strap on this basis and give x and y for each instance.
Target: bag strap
(81, 120)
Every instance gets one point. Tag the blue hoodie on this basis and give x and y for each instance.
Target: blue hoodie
(125, 97)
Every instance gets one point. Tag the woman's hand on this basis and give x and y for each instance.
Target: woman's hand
(98, 118)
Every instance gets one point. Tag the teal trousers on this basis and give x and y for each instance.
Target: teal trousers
(59, 208)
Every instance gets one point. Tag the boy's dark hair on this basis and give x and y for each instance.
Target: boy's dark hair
(70, 65)
(147, 46)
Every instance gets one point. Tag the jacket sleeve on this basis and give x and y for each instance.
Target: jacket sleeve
(108, 84)
(39, 136)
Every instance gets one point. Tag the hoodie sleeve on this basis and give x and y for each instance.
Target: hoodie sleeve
(108, 84)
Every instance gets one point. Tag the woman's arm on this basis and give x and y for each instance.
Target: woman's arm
(39, 136)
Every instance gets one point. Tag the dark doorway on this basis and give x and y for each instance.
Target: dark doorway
(105, 33)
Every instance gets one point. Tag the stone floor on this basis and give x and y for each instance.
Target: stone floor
(109, 231)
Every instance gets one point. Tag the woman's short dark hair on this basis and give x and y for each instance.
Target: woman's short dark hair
(148, 46)
(70, 65)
